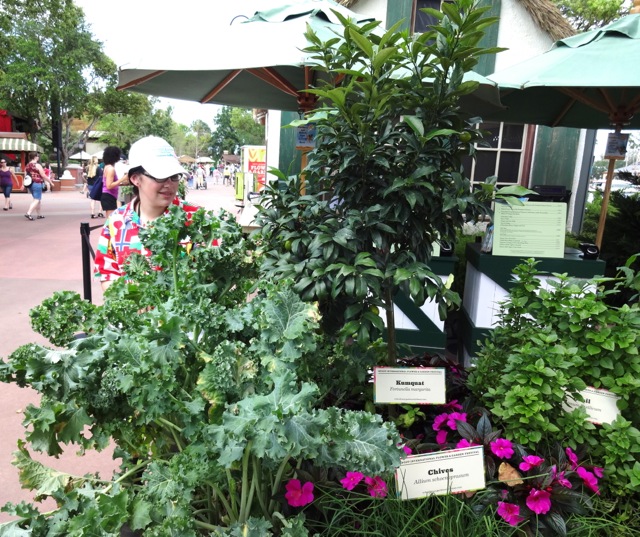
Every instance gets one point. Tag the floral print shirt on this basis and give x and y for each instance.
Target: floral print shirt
(119, 239)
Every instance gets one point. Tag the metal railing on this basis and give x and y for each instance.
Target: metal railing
(87, 256)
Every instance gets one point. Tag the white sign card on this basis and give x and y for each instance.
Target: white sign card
(442, 472)
(616, 145)
(533, 229)
(306, 136)
(409, 385)
(601, 405)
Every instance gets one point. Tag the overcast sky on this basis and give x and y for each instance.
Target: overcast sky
(118, 24)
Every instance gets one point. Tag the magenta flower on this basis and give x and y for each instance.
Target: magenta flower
(530, 461)
(453, 405)
(563, 481)
(439, 420)
(510, 512)
(351, 480)
(451, 422)
(297, 494)
(376, 487)
(502, 448)
(539, 501)
(598, 471)
(464, 443)
(573, 458)
(441, 437)
(407, 450)
(590, 480)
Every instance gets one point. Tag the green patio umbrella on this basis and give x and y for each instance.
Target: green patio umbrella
(264, 67)
(590, 80)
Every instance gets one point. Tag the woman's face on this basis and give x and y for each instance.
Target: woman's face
(3, 163)
(154, 194)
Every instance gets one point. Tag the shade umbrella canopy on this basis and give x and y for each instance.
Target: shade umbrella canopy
(82, 155)
(590, 80)
(98, 154)
(263, 67)
(269, 70)
(204, 160)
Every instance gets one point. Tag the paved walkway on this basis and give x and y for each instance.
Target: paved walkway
(38, 258)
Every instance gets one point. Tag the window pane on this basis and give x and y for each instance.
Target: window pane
(423, 20)
(485, 165)
(512, 136)
(493, 136)
(509, 167)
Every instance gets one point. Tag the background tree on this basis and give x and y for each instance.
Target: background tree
(587, 14)
(198, 139)
(49, 56)
(247, 129)
(224, 137)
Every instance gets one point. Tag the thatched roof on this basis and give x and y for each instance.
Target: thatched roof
(543, 12)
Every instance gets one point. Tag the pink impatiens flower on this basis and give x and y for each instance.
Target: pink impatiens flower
(297, 494)
(598, 471)
(453, 405)
(441, 437)
(510, 512)
(573, 458)
(502, 448)
(351, 480)
(439, 420)
(376, 487)
(590, 480)
(563, 481)
(530, 461)
(451, 421)
(464, 443)
(407, 450)
(539, 501)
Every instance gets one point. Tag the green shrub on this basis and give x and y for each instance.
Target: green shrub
(551, 343)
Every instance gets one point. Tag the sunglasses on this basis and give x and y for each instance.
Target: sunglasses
(174, 178)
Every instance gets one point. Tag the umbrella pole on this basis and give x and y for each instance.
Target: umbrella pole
(605, 203)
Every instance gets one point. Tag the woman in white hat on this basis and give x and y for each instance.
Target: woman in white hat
(155, 173)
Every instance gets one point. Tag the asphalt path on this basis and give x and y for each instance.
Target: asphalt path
(38, 258)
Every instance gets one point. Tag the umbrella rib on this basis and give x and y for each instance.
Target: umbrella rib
(271, 77)
(225, 82)
(140, 80)
(578, 96)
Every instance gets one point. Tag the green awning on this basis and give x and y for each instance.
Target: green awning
(18, 144)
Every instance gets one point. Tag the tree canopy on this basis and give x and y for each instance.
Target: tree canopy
(587, 14)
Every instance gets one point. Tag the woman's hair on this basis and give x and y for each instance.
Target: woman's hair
(93, 167)
(111, 155)
(32, 155)
(135, 171)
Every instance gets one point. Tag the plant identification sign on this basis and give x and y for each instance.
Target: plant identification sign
(410, 385)
(442, 472)
(601, 405)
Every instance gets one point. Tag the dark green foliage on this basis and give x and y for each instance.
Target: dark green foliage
(385, 180)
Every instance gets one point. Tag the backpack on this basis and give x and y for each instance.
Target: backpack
(96, 189)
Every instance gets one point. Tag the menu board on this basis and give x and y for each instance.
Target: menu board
(533, 229)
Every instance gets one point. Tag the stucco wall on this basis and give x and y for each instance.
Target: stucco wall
(372, 8)
(520, 34)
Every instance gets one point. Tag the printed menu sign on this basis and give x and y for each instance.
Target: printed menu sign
(413, 385)
(601, 405)
(442, 472)
(533, 229)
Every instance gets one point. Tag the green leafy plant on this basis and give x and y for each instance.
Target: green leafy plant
(550, 343)
(385, 180)
(209, 398)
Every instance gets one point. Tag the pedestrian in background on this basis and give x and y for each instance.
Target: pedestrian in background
(38, 180)
(94, 173)
(110, 182)
(6, 183)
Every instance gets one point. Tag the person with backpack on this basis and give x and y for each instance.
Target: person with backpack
(94, 173)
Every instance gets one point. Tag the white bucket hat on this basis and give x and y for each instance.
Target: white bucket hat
(156, 156)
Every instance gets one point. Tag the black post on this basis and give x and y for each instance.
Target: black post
(85, 231)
